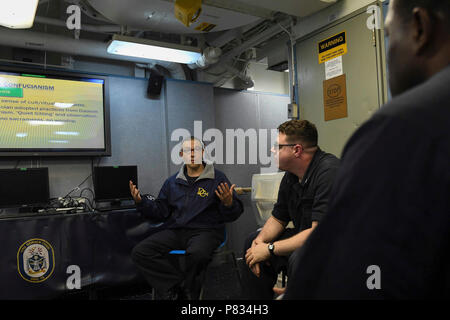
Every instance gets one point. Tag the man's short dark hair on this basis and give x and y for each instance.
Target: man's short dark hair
(193, 138)
(440, 7)
(299, 131)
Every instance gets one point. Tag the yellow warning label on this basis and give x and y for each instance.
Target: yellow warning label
(332, 47)
(205, 26)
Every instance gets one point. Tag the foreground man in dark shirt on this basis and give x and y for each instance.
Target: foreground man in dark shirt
(302, 199)
(387, 233)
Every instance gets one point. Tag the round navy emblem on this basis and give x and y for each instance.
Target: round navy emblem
(35, 260)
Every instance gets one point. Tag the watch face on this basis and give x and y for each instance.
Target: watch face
(271, 246)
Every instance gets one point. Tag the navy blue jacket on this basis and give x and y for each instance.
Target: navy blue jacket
(182, 205)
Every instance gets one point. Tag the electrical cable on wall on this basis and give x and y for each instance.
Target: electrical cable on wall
(292, 72)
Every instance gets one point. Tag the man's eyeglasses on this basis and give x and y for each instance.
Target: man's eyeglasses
(196, 149)
(278, 146)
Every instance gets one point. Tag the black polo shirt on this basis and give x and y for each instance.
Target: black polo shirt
(307, 201)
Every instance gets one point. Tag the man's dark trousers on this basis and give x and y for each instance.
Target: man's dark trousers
(162, 270)
(261, 288)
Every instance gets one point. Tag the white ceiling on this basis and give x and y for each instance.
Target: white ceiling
(299, 8)
(158, 15)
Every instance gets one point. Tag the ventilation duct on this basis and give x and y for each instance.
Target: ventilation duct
(69, 46)
(210, 56)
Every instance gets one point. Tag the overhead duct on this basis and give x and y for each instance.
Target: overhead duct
(225, 59)
(89, 48)
(210, 56)
(263, 36)
(277, 58)
(232, 73)
(109, 28)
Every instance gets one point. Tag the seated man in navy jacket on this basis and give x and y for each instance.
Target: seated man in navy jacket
(195, 203)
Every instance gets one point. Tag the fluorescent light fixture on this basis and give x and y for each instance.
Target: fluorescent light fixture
(18, 14)
(149, 49)
(58, 141)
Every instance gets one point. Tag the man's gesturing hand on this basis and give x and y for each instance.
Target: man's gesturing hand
(135, 193)
(225, 193)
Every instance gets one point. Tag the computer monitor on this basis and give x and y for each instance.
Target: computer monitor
(24, 187)
(112, 183)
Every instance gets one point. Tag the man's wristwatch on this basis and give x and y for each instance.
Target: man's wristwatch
(271, 249)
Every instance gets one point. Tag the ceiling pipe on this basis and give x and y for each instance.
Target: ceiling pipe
(233, 72)
(88, 10)
(85, 27)
(210, 56)
(82, 47)
(221, 38)
(232, 54)
(263, 36)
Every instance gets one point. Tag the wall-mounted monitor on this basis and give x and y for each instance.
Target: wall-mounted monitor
(52, 113)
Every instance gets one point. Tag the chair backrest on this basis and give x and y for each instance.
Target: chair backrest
(225, 238)
(265, 188)
(177, 252)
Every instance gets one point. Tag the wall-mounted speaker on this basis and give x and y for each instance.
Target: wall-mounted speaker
(154, 85)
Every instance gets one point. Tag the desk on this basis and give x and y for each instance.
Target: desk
(99, 243)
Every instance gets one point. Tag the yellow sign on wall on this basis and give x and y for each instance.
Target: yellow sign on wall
(332, 47)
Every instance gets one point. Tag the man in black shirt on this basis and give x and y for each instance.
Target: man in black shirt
(302, 199)
(387, 233)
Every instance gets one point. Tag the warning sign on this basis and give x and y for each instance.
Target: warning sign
(332, 47)
(335, 98)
